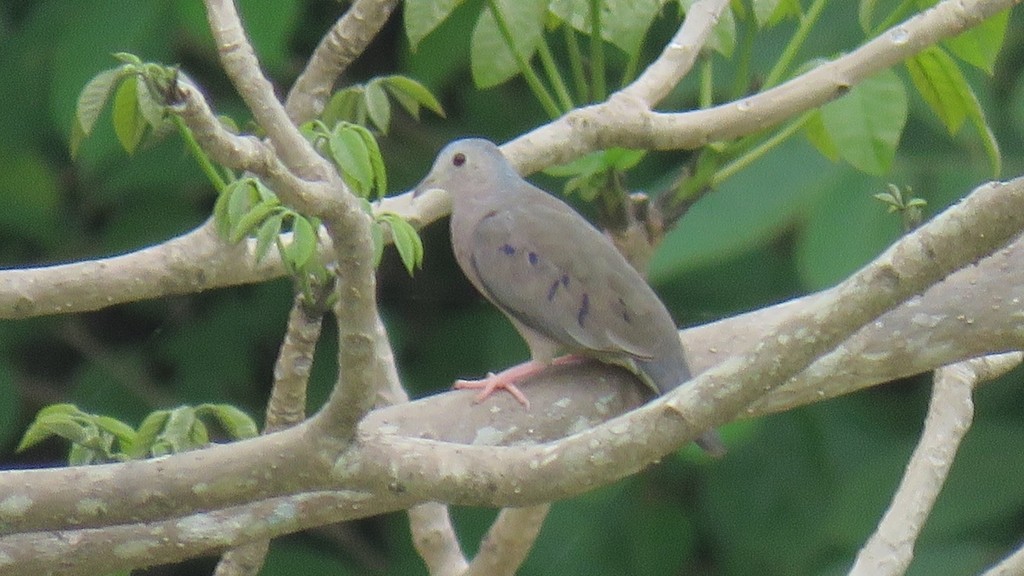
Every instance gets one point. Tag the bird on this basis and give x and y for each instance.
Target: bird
(562, 283)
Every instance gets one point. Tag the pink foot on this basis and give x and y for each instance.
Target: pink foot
(507, 379)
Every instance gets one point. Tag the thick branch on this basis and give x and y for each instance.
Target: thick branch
(628, 443)
(88, 552)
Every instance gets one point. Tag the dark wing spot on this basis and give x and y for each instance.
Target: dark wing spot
(565, 280)
(552, 291)
(534, 259)
(584, 310)
(626, 316)
(507, 249)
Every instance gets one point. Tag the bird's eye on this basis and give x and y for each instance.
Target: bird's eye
(459, 159)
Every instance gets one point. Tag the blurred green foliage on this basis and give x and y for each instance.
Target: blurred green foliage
(798, 492)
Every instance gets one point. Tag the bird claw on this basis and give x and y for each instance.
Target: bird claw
(492, 383)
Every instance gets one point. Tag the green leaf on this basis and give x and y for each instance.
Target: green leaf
(343, 106)
(220, 209)
(942, 85)
(198, 436)
(268, 232)
(988, 139)
(380, 174)
(124, 433)
(377, 235)
(349, 153)
(979, 45)
(407, 242)
(818, 136)
(867, 122)
(129, 125)
(378, 106)
(865, 13)
(65, 426)
(127, 58)
(94, 96)
(410, 94)
(770, 12)
(237, 423)
(243, 197)
(624, 23)
(252, 219)
(38, 431)
(149, 432)
(178, 427)
(303, 244)
(152, 110)
(723, 35)
(491, 58)
(423, 16)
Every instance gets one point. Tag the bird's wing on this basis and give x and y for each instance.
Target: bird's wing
(545, 266)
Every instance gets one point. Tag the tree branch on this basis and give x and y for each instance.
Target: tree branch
(506, 545)
(891, 548)
(345, 41)
(88, 552)
(626, 444)
(678, 57)
(625, 121)
(240, 63)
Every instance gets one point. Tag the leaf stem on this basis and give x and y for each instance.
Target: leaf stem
(554, 76)
(707, 92)
(760, 150)
(197, 152)
(597, 52)
(532, 80)
(895, 16)
(807, 22)
(576, 63)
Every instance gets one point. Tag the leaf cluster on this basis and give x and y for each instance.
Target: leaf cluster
(96, 438)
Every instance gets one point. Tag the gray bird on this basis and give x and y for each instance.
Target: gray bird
(561, 282)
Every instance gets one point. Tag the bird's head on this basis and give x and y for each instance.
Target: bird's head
(465, 167)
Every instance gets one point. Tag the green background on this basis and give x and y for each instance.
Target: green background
(798, 493)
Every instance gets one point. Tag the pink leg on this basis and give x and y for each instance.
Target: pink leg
(507, 379)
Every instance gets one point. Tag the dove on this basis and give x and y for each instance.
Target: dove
(565, 287)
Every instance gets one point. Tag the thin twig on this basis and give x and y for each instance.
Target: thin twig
(679, 55)
(240, 62)
(285, 408)
(506, 545)
(342, 44)
(891, 548)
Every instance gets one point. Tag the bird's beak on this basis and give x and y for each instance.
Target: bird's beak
(425, 186)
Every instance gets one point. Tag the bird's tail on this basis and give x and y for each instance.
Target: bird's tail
(711, 443)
